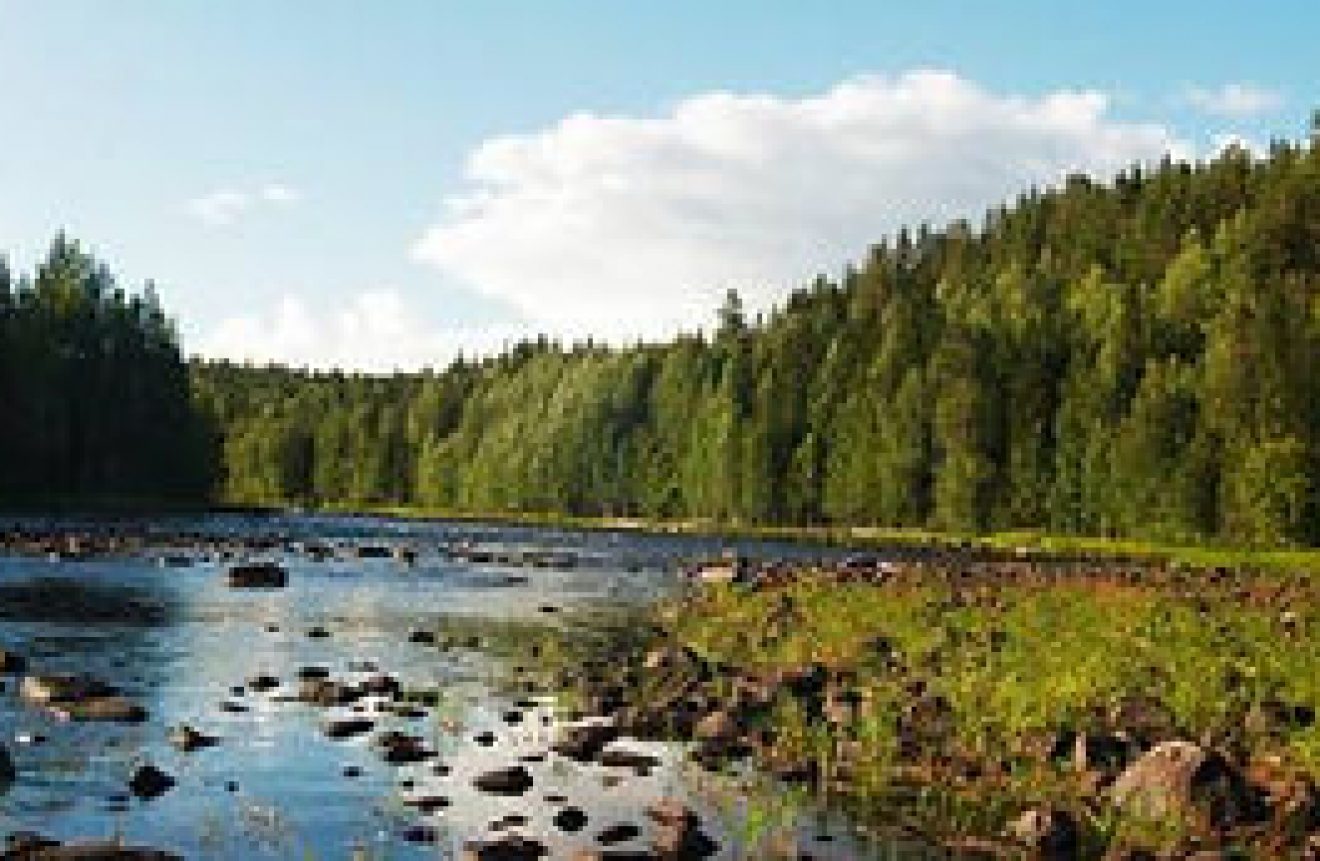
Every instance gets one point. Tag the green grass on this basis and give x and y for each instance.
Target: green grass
(1016, 665)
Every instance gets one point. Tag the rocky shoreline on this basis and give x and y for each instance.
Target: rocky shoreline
(756, 671)
(990, 704)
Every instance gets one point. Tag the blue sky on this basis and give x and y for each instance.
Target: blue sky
(380, 184)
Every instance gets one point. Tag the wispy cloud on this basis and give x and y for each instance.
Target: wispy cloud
(624, 226)
(225, 206)
(1235, 100)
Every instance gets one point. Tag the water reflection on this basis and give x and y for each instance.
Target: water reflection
(179, 641)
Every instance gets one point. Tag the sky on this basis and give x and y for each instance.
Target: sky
(382, 185)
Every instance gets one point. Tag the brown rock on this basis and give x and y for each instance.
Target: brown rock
(1178, 779)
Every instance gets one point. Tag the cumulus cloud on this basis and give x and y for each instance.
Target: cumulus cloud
(1235, 100)
(227, 205)
(635, 226)
(376, 331)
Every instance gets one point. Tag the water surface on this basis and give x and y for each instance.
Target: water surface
(178, 639)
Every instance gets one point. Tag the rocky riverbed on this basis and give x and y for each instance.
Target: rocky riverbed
(339, 688)
(359, 688)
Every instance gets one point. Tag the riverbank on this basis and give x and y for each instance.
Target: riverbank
(878, 538)
(1001, 709)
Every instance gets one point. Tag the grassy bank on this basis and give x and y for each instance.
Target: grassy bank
(945, 706)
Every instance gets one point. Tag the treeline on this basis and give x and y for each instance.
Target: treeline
(95, 402)
(1135, 358)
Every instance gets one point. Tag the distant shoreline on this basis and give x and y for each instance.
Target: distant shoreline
(861, 538)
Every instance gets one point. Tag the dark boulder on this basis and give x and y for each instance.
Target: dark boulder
(504, 781)
(149, 782)
(11, 663)
(347, 727)
(618, 833)
(512, 848)
(398, 748)
(571, 819)
(258, 575)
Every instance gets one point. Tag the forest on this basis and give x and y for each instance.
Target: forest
(1133, 357)
(95, 399)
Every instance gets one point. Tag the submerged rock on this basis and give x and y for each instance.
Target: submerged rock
(11, 663)
(114, 708)
(7, 770)
(33, 847)
(421, 834)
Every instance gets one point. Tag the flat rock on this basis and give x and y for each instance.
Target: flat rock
(113, 708)
(47, 689)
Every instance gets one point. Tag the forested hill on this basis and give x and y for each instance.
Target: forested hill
(1137, 358)
(95, 404)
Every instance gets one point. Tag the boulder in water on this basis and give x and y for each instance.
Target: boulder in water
(504, 781)
(258, 575)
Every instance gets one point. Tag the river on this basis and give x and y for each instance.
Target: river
(176, 638)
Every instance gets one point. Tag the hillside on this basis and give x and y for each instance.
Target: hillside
(1128, 358)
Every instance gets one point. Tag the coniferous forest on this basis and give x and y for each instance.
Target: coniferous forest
(1132, 358)
(95, 403)
(1135, 357)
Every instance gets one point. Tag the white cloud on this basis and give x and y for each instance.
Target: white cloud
(1236, 100)
(226, 206)
(376, 330)
(635, 226)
